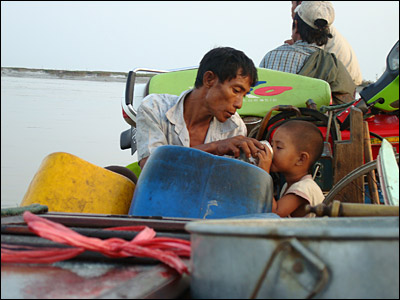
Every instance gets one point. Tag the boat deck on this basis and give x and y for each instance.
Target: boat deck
(91, 274)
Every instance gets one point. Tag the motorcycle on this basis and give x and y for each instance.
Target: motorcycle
(379, 103)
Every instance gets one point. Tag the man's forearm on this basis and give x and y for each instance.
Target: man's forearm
(142, 162)
(209, 148)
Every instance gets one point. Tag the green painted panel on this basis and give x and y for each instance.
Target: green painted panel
(390, 93)
(134, 167)
(173, 83)
(273, 88)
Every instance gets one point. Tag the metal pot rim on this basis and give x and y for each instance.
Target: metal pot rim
(325, 228)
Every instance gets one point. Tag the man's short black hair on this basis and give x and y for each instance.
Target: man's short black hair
(225, 62)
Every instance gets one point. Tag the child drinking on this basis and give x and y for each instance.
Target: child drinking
(297, 145)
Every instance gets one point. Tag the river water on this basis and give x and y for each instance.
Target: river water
(40, 116)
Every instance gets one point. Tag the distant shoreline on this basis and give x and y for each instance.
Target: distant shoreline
(64, 74)
(84, 75)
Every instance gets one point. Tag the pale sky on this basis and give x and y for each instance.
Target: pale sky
(121, 36)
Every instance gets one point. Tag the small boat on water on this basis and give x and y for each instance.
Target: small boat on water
(243, 256)
(230, 258)
(246, 252)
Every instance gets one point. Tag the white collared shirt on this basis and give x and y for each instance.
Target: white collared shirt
(160, 122)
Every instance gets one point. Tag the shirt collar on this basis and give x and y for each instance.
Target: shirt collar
(175, 113)
(304, 43)
(175, 116)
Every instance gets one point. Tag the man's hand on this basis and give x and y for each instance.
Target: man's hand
(233, 146)
(142, 162)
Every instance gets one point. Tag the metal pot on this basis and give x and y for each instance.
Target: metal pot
(295, 258)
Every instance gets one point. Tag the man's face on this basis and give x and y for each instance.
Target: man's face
(223, 99)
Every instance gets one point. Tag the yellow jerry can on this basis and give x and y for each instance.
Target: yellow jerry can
(67, 183)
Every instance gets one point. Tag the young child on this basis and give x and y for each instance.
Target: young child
(297, 145)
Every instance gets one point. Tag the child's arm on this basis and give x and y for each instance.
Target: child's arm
(288, 204)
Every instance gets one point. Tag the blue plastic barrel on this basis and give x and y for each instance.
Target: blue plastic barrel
(184, 182)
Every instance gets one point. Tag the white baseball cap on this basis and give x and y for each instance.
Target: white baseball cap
(310, 11)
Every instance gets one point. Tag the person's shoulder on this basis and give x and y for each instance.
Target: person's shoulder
(338, 43)
(161, 101)
(308, 179)
(158, 98)
(309, 187)
(335, 33)
(306, 183)
(301, 47)
(284, 46)
(312, 185)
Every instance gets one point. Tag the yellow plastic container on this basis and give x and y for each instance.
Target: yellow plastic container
(66, 183)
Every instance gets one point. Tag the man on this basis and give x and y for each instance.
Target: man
(204, 117)
(339, 46)
(310, 31)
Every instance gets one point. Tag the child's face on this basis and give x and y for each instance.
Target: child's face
(285, 152)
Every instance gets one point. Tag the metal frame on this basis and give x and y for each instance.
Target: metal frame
(127, 102)
(351, 177)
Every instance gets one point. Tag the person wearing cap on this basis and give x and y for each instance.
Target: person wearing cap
(310, 31)
(339, 46)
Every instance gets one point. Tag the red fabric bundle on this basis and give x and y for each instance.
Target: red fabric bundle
(145, 244)
(12, 253)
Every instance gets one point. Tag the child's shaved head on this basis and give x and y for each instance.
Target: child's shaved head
(306, 136)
